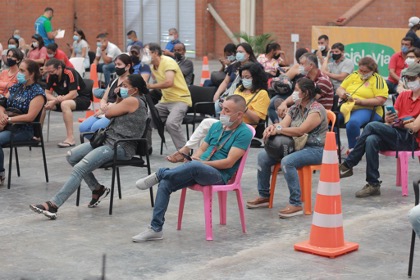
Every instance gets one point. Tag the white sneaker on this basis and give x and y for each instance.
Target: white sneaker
(148, 235)
(147, 182)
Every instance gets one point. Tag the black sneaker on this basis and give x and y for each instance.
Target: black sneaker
(50, 213)
(369, 190)
(345, 171)
(99, 194)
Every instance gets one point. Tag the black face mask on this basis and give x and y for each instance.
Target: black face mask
(135, 59)
(179, 56)
(276, 56)
(336, 56)
(120, 71)
(11, 62)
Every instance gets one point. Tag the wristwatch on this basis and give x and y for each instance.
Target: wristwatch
(9, 120)
(278, 128)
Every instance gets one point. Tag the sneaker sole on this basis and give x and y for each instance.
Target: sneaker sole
(104, 195)
(49, 215)
(285, 216)
(363, 196)
(150, 239)
(261, 205)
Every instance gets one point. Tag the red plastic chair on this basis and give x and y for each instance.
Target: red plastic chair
(233, 185)
(402, 167)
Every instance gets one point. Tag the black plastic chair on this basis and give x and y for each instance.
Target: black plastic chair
(37, 126)
(202, 106)
(136, 161)
(160, 125)
(413, 234)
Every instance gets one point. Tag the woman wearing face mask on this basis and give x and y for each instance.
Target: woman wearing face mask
(129, 115)
(362, 91)
(12, 43)
(38, 52)
(244, 54)
(80, 47)
(398, 133)
(272, 59)
(413, 56)
(8, 77)
(123, 68)
(28, 97)
(306, 116)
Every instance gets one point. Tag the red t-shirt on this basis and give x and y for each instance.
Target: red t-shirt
(406, 106)
(397, 63)
(62, 56)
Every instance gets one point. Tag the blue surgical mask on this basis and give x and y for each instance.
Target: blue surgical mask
(247, 83)
(231, 57)
(240, 57)
(98, 44)
(404, 49)
(21, 78)
(129, 41)
(76, 38)
(17, 37)
(124, 92)
(11, 46)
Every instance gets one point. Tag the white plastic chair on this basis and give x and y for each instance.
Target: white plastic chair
(78, 65)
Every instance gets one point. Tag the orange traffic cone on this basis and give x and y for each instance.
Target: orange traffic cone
(96, 101)
(205, 73)
(327, 233)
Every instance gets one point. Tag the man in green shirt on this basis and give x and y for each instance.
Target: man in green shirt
(43, 26)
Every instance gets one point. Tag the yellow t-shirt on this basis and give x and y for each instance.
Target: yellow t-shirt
(259, 104)
(375, 86)
(179, 92)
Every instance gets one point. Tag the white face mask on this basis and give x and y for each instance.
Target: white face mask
(410, 61)
(146, 59)
(171, 37)
(366, 76)
(414, 85)
(295, 97)
(321, 47)
(302, 70)
(225, 120)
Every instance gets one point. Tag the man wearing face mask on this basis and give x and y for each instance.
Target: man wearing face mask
(214, 163)
(44, 28)
(66, 91)
(173, 40)
(132, 40)
(413, 56)
(339, 68)
(186, 65)
(54, 52)
(323, 48)
(397, 64)
(139, 68)
(378, 136)
(106, 52)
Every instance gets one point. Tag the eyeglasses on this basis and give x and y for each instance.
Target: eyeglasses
(410, 78)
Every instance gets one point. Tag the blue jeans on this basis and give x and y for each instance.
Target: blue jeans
(376, 136)
(107, 69)
(392, 88)
(92, 124)
(289, 164)
(5, 136)
(171, 180)
(414, 217)
(358, 118)
(84, 160)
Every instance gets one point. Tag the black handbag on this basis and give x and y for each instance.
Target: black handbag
(98, 138)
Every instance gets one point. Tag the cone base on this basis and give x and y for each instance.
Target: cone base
(326, 252)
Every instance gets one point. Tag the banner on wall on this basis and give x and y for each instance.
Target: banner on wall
(378, 43)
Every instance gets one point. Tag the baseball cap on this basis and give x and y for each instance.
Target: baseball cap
(413, 21)
(412, 70)
(135, 48)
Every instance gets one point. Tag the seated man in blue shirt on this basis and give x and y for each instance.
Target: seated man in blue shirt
(214, 163)
(173, 40)
(132, 40)
(139, 68)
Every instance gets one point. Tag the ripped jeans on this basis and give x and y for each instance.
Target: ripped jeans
(84, 160)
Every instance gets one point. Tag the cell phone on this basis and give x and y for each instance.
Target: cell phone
(391, 109)
(187, 157)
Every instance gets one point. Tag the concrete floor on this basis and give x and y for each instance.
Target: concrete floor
(71, 247)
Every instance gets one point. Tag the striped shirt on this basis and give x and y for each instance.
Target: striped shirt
(327, 90)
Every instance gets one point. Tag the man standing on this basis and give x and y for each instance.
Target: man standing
(173, 40)
(132, 40)
(323, 48)
(44, 28)
(186, 65)
(106, 52)
(214, 163)
(175, 94)
(397, 64)
(71, 94)
(341, 66)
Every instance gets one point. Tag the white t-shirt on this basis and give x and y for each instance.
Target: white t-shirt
(112, 51)
(346, 66)
(78, 46)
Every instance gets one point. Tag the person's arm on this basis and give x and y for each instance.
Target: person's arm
(222, 87)
(169, 53)
(48, 28)
(145, 76)
(414, 126)
(282, 108)
(167, 83)
(324, 65)
(69, 96)
(73, 53)
(105, 57)
(393, 74)
(234, 155)
(84, 51)
(35, 107)
(42, 56)
(122, 107)
(392, 66)
(310, 123)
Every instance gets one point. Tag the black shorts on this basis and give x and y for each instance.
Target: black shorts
(82, 103)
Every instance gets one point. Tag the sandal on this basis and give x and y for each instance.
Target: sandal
(175, 157)
(98, 195)
(50, 212)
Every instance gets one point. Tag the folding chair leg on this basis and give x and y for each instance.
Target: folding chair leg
(119, 183)
(152, 200)
(78, 196)
(45, 160)
(10, 167)
(48, 125)
(17, 162)
(410, 262)
(111, 201)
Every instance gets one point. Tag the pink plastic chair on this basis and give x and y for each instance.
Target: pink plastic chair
(233, 185)
(402, 167)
